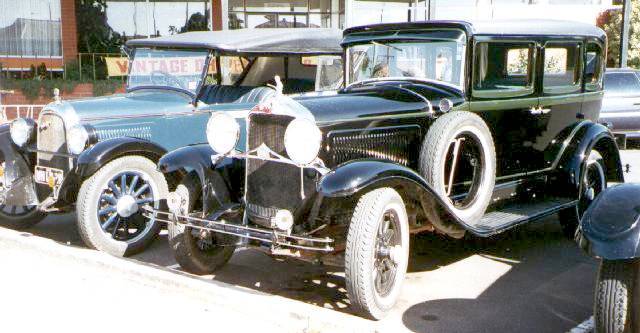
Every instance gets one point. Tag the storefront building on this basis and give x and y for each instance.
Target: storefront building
(33, 32)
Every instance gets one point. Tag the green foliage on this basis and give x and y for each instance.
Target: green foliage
(94, 33)
(611, 22)
(32, 89)
(105, 87)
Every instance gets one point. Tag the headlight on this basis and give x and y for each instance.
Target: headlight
(22, 130)
(302, 141)
(223, 132)
(77, 139)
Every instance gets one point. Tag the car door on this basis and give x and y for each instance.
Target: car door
(503, 94)
(561, 94)
(621, 103)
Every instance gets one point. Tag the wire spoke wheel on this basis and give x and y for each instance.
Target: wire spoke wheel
(463, 169)
(119, 206)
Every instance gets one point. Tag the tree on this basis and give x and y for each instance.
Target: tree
(197, 22)
(94, 33)
(611, 21)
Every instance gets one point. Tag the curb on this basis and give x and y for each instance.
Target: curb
(288, 314)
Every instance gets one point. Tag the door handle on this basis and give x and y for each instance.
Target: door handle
(539, 111)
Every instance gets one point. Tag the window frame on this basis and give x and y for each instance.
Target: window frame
(599, 84)
(524, 92)
(575, 88)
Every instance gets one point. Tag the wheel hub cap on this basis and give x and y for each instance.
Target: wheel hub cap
(126, 206)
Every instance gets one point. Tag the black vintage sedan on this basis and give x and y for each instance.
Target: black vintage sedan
(621, 103)
(442, 126)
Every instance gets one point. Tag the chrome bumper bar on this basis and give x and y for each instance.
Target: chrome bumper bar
(273, 237)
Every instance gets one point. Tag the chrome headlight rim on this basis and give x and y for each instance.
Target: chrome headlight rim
(302, 141)
(223, 132)
(22, 131)
(79, 138)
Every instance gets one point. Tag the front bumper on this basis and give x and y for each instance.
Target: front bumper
(272, 237)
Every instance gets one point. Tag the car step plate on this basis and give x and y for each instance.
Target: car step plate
(520, 212)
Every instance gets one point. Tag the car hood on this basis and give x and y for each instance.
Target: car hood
(383, 100)
(137, 103)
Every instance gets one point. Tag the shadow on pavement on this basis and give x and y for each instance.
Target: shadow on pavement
(550, 281)
(548, 289)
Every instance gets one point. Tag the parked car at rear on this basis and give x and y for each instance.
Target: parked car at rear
(621, 104)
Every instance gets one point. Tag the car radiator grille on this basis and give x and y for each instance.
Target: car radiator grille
(51, 137)
(271, 185)
(399, 145)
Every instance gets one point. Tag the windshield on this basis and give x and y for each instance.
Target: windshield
(180, 69)
(439, 59)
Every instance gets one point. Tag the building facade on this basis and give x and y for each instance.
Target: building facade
(44, 31)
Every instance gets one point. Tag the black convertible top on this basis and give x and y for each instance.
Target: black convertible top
(257, 41)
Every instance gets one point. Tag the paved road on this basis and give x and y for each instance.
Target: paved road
(530, 279)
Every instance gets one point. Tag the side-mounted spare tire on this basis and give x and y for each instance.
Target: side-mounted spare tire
(458, 159)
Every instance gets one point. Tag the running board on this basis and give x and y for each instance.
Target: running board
(517, 213)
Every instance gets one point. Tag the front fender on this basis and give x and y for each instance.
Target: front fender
(221, 182)
(610, 228)
(360, 176)
(94, 158)
(18, 173)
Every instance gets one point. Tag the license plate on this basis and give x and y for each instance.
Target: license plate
(49, 176)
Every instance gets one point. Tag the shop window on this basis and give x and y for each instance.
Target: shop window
(30, 28)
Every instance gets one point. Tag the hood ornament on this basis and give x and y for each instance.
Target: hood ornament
(56, 96)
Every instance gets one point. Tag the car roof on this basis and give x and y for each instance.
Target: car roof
(277, 41)
(524, 27)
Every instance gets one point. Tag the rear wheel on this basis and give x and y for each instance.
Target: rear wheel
(617, 302)
(18, 217)
(458, 159)
(594, 181)
(196, 251)
(109, 206)
(377, 252)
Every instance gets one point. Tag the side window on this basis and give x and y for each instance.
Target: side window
(593, 68)
(620, 84)
(561, 68)
(503, 69)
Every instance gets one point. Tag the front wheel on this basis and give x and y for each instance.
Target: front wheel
(196, 251)
(109, 206)
(377, 252)
(18, 217)
(617, 303)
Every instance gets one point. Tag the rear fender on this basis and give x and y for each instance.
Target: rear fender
(358, 177)
(610, 228)
(598, 137)
(221, 181)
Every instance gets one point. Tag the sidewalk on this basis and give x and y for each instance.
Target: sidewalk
(51, 287)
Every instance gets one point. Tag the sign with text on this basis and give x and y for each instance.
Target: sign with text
(176, 66)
